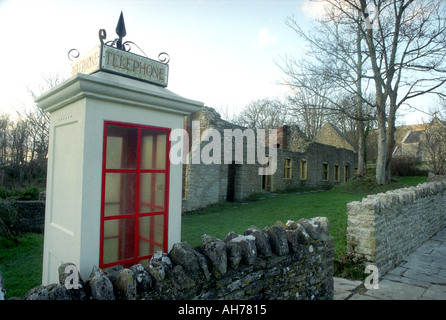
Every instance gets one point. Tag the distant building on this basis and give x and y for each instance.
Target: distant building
(411, 144)
(328, 160)
(408, 141)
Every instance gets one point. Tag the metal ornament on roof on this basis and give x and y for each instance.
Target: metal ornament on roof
(107, 57)
(126, 46)
(117, 43)
(120, 31)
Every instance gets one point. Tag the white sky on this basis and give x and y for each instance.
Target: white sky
(222, 53)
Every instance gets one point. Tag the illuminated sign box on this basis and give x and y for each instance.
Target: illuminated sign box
(110, 59)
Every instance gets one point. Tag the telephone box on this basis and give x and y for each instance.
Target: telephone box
(113, 195)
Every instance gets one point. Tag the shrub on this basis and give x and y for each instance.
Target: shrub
(10, 223)
(30, 193)
(404, 167)
(350, 267)
(27, 193)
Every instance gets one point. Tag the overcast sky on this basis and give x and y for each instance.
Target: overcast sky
(222, 53)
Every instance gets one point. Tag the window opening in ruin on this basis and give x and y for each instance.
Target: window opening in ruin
(303, 170)
(135, 187)
(325, 171)
(346, 173)
(267, 180)
(288, 168)
(337, 172)
(230, 192)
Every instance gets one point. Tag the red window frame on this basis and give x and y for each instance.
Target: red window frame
(137, 214)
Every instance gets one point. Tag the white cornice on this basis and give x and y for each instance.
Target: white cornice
(114, 88)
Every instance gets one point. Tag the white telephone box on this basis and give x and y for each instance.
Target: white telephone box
(113, 196)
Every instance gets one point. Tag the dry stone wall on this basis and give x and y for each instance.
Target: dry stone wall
(386, 227)
(284, 261)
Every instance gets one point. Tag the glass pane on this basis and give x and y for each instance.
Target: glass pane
(151, 195)
(120, 192)
(153, 150)
(121, 147)
(151, 234)
(118, 240)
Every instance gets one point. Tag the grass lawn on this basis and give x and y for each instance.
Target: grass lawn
(21, 264)
(265, 209)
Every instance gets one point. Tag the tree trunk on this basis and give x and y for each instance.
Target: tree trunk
(381, 98)
(382, 148)
(361, 149)
(360, 123)
(390, 138)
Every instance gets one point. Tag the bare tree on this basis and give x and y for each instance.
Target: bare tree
(24, 138)
(19, 145)
(38, 119)
(434, 145)
(263, 113)
(403, 47)
(4, 125)
(335, 57)
(407, 59)
(308, 105)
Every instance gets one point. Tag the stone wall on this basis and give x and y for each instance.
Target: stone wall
(292, 261)
(290, 137)
(385, 228)
(435, 177)
(330, 135)
(207, 184)
(315, 155)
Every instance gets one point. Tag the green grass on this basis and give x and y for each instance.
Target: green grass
(367, 185)
(237, 217)
(265, 209)
(21, 263)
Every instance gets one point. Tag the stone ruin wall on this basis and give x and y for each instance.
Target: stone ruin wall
(208, 184)
(386, 227)
(284, 261)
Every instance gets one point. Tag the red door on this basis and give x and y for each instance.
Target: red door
(135, 192)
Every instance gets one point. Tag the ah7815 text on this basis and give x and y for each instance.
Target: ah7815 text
(243, 309)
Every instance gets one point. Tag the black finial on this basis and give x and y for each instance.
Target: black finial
(120, 31)
(125, 46)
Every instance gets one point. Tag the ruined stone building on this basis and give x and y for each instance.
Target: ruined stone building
(327, 160)
(331, 135)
